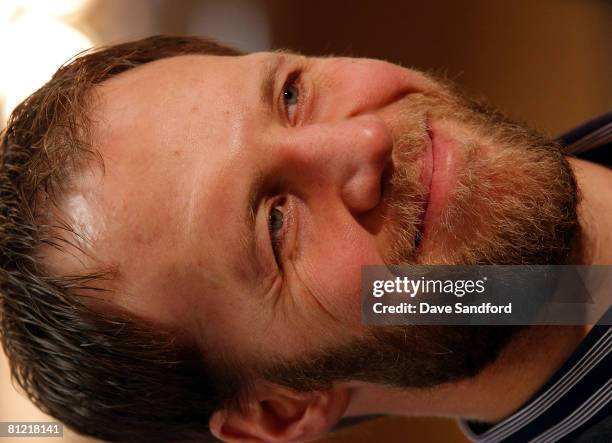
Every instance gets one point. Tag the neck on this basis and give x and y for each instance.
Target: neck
(534, 354)
(522, 368)
(594, 211)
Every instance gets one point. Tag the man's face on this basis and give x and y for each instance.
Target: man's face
(241, 195)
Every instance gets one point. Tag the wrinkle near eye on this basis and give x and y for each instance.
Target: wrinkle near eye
(273, 286)
(307, 292)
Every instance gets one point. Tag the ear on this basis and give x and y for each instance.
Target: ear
(277, 414)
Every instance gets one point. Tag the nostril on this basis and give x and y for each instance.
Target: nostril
(385, 179)
(365, 195)
(359, 160)
(372, 220)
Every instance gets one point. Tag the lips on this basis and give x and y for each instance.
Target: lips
(438, 178)
(426, 178)
(434, 158)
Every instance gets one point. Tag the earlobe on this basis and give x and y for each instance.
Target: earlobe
(228, 427)
(280, 415)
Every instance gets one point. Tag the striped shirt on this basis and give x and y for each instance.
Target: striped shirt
(576, 403)
(591, 138)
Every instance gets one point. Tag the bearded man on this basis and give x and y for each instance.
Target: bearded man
(183, 230)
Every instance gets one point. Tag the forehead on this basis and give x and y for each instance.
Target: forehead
(167, 131)
(164, 91)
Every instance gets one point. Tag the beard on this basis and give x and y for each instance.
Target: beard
(514, 202)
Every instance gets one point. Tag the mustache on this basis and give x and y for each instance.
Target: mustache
(406, 197)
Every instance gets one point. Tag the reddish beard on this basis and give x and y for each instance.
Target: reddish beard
(515, 197)
(515, 202)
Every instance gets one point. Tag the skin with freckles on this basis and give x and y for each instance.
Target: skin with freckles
(179, 168)
(240, 197)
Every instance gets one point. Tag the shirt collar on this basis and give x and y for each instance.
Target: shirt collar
(579, 394)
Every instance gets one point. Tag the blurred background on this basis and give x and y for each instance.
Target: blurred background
(545, 62)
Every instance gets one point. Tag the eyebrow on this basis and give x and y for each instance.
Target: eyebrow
(268, 78)
(248, 236)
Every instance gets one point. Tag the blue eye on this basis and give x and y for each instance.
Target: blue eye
(291, 97)
(275, 227)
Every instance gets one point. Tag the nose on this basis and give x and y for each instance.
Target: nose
(344, 158)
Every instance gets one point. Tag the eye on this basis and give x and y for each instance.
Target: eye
(275, 228)
(291, 96)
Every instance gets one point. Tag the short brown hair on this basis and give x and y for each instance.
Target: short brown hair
(108, 376)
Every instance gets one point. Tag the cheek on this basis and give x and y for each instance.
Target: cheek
(331, 271)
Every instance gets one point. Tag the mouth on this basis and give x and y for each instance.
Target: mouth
(438, 177)
(427, 169)
(425, 180)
